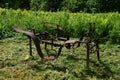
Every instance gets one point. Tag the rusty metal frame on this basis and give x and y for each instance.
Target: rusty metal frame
(90, 39)
(67, 42)
(58, 29)
(37, 42)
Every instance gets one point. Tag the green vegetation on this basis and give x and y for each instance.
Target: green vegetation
(16, 64)
(63, 5)
(74, 17)
(107, 24)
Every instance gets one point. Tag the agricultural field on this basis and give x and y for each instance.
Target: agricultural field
(16, 64)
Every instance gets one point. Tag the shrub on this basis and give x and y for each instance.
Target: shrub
(107, 24)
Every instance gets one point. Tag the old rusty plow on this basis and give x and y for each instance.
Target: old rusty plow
(45, 37)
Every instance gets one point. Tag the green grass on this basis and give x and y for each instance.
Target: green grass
(16, 64)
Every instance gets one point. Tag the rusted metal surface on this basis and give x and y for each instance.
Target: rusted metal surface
(89, 47)
(59, 30)
(36, 41)
(90, 41)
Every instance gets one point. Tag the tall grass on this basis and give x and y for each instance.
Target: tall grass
(107, 24)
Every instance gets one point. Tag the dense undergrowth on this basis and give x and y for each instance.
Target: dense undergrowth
(16, 64)
(107, 24)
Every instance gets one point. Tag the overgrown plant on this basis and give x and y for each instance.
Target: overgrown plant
(106, 24)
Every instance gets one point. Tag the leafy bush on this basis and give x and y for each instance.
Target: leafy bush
(73, 5)
(46, 5)
(24, 4)
(107, 24)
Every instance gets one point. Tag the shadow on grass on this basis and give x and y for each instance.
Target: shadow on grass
(46, 65)
(99, 70)
(7, 63)
(75, 58)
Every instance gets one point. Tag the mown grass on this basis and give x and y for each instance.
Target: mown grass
(16, 64)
